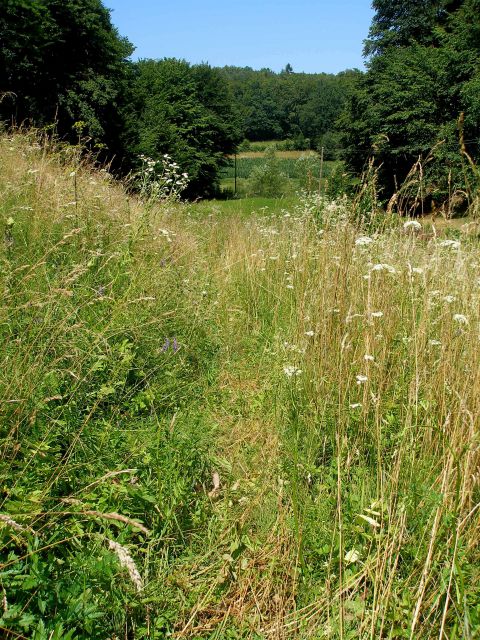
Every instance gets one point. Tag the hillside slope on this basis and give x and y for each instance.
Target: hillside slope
(223, 426)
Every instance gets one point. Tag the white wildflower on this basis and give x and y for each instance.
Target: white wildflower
(450, 244)
(384, 267)
(309, 333)
(355, 405)
(352, 556)
(414, 225)
(291, 371)
(363, 241)
(449, 299)
(361, 379)
(377, 314)
(434, 343)
(460, 318)
(368, 358)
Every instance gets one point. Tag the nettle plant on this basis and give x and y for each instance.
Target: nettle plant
(160, 179)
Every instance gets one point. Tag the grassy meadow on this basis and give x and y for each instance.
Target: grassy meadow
(253, 419)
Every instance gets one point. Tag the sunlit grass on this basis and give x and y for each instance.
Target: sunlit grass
(225, 424)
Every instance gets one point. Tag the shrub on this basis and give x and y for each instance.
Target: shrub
(268, 179)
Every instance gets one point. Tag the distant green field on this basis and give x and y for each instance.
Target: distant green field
(298, 174)
(280, 145)
(291, 167)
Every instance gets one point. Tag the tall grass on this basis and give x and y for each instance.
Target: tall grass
(220, 426)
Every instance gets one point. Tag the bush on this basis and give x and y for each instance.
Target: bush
(245, 145)
(307, 170)
(268, 179)
(330, 142)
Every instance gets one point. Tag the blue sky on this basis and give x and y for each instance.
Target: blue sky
(312, 35)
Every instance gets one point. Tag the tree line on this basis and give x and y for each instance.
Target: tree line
(301, 107)
(418, 104)
(63, 65)
(62, 62)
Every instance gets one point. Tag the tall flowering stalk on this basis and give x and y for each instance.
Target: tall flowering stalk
(160, 179)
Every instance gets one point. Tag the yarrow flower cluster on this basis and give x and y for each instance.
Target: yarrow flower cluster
(384, 267)
(291, 371)
(450, 244)
(412, 225)
(160, 179)
(363, 241)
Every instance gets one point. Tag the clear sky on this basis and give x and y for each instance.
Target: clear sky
(312, 35)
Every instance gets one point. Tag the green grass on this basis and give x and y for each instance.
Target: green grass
(244, 207)
(232, 419)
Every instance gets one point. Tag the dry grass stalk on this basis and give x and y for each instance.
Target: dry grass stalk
(128, 563)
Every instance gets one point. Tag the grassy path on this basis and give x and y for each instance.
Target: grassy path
(219, 424)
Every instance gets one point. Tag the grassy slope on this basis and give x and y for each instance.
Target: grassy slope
(344, 507)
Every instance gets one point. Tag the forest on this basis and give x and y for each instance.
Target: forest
(64, 66)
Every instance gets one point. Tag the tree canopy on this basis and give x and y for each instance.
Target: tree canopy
(63, 62)
(423, 74)
(185, 111)
(299, 106)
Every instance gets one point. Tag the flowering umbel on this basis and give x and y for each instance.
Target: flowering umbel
(160, 179)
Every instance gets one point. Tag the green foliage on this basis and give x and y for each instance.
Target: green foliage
(185, 111)
(291, 105)
(420, 80)
(267, 179)
(63, 62)
(401, 23)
